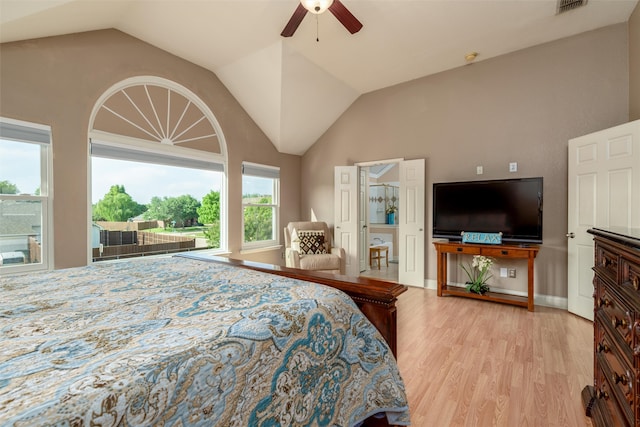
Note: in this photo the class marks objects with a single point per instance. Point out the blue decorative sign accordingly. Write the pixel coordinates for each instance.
(486, 238)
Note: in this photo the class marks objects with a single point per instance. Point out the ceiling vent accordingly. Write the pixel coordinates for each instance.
(567, 5)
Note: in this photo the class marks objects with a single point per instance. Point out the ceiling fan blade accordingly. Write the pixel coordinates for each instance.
(345, 17)
(294, 22)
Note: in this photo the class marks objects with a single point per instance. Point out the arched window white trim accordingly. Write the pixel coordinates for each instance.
(155, 120)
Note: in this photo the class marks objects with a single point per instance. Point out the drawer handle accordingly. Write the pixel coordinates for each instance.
(636, 282)
(619, 378)
(504, 252)
(601, 394)
(603, 348)
(606, 262)
(618, 322)
(459, 249)
(606, 302)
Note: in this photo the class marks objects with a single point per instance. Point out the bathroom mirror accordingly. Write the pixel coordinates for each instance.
(383, 203)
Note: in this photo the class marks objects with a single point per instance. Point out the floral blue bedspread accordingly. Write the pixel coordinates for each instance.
(183, 342)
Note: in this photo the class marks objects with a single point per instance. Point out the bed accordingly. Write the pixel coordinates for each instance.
(193, 341)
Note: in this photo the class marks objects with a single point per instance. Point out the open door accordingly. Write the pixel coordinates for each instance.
(363, 218)
(350, 229)
(603, 191)
(411, 223)
(345, 204)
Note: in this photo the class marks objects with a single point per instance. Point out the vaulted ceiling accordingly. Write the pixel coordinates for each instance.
(295, 88)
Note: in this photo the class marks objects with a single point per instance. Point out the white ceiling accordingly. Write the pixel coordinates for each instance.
(295, 88)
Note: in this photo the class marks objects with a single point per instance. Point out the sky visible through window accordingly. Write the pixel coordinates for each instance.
(20, 165)
(142, 181)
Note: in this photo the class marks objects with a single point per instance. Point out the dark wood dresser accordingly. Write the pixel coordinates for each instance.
(614, 397)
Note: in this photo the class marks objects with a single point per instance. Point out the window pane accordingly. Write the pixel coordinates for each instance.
(19, 167)
(258, 223)
(257, 190)
(20, 232)
(169, 208)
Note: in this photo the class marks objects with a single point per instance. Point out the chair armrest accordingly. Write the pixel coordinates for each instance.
(343, 258)
(292, 258)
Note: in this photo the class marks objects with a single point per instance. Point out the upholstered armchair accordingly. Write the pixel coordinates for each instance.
(309, 247)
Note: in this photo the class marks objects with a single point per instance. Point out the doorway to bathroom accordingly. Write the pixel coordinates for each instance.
(351, 220)
(380, 204)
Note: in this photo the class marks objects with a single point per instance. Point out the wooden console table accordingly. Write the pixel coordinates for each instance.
(444, 248)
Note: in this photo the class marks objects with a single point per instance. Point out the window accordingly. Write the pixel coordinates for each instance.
(158, 159)
(25, 202)
(169, 201)
(260, 205)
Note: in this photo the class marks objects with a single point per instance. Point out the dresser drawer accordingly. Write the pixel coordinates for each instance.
(606, 263)
(617, 317)
(631, 275)
(620, 380)
(606, 398)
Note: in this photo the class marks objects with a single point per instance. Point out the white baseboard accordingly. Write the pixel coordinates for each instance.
(538, 299)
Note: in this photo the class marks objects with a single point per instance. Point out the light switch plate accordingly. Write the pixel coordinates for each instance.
(513, 167)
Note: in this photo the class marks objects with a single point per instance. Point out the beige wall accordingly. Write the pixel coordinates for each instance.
(521, 107)
(56, 81)
(634, 64)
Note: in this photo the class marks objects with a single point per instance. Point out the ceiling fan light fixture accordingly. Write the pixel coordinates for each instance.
(316, 6)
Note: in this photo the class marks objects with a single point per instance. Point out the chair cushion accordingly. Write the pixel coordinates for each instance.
(311, 242)
(320, 262)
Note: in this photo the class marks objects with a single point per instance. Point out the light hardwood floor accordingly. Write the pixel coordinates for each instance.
(389, 273)
(477, 363)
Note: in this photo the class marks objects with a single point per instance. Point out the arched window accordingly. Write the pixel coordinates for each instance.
(158, 161)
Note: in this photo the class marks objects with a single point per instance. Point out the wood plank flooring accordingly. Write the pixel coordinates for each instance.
(390, 273)
(477, 363)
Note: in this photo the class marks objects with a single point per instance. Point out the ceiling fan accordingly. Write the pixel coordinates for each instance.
(317, 7)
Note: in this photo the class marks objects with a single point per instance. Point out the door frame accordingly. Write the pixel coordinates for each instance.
(593, 160)
(412, 277)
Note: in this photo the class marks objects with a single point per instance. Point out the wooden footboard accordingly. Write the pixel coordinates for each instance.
(375, 298)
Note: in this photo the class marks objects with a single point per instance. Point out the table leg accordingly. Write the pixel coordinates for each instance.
(530, 305)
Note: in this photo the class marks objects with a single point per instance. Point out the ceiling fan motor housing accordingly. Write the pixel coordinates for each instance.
(316, 6)
(336, 7)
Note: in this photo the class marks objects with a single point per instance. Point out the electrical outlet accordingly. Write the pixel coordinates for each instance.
(479, 170)
(512, 273)
(513, 167)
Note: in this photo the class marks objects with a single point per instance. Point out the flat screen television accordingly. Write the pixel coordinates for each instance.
(510, 206)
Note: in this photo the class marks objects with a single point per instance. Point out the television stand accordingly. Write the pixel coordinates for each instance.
(444, 248)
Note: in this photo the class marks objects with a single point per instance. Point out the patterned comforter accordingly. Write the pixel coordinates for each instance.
(182, 342)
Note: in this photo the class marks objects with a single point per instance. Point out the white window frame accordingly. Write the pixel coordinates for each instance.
(158, 148)
(33, 133)
(130, 149)
(270, 172)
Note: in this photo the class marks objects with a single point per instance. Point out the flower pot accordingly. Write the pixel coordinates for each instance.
(391, 218)
(479, 289)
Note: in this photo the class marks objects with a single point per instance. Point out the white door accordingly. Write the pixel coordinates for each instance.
(345, 204)
(411, 223)
(363, 218)
(603, 191)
